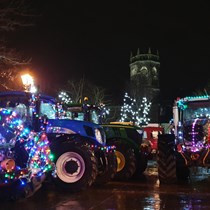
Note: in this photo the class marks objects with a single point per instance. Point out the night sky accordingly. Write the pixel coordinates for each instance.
(95, 39)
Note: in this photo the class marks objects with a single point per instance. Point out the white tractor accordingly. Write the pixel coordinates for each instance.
(188, 145)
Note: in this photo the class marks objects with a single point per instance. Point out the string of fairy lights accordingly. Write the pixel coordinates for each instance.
(64, 97)
(101, 111)
(198, 126)
(130, 112)
(36, 145)
(137, 115)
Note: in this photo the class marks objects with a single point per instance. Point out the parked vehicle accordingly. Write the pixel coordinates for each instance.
(188, 145)
(150, 136)
(81, 155)
(25, 158)
(132, 155)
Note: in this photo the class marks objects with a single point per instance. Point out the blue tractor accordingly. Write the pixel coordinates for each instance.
(81, 156)
(131, 152)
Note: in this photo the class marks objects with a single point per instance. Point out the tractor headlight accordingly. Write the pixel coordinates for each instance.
(98, 136)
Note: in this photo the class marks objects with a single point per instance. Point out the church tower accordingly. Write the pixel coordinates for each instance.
(144, 80)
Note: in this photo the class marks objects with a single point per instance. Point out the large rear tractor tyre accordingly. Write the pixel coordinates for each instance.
(126, 162)
(166, 159)
(110, 171)
(76, 168)
(182, 170)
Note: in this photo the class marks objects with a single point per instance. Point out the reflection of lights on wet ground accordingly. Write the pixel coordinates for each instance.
(189, 202)
(157, 201)
(157, 184)
(151, 168)
(153, 202)
(69, 205)
(200, 171)
(150, 202)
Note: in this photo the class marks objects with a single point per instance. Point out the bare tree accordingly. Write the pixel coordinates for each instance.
(75, 89)
(13, 15)
(98, 94)
(79, 89)
(10, 64)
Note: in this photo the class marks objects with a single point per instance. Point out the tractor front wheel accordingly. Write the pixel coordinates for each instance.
(126, 161)
(76, 168)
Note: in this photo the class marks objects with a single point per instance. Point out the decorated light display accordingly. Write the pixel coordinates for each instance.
(64, 97)
(103, 112)
(130, 112)
(96, 113)
(24, 154)
(193, 131)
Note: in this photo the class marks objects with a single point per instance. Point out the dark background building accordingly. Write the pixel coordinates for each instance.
(144, 81)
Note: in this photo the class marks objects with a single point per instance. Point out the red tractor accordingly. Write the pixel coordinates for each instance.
(150, 136)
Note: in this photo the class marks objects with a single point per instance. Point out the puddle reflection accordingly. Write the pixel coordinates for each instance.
(146, 194)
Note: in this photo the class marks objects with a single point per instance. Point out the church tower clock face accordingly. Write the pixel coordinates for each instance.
(154, 73)
(144, 71)
(134, 70)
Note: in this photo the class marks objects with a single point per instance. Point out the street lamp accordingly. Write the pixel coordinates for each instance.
(28, 83)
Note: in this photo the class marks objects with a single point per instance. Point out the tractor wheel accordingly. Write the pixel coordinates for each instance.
(182, 171)
(76, 168)
(142, 166)
(110, 171)
(126, 161)
(166, 159)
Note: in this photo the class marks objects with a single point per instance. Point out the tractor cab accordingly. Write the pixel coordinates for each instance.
(150, 135)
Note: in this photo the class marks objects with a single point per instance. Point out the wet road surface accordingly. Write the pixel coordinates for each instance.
(144, 193)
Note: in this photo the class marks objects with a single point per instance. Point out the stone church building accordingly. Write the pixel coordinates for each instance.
(144, 80)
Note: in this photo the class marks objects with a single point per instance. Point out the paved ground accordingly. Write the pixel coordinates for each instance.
(145, 193)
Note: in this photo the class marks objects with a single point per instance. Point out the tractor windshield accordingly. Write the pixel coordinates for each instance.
(198, 109)
(22, 104)
(79, 114)
(48, 110)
